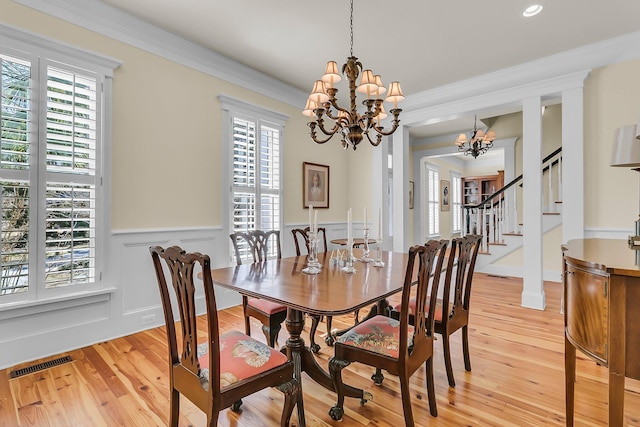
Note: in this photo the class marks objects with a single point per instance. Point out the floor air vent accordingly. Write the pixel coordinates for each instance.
(40, 366)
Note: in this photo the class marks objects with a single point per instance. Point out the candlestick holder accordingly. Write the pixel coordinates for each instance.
(348, 267)
(366, 251)
(378, 262)
(313, 265)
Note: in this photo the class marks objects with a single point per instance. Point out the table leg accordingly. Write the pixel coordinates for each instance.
(569, 380)
(295, 349)
(304, 361)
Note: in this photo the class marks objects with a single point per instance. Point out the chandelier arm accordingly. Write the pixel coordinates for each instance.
(335, 105)
(378, 138)
(390, 132)
(330, 133)
(312, 125)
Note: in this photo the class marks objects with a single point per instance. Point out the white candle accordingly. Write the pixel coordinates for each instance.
(365, 217)
(349, 241)
(380, 223)
(311, 218)
(315, 222)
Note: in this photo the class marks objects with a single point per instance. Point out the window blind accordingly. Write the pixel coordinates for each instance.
(256, 178)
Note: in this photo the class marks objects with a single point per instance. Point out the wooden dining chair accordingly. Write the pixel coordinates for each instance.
(394, 345)
(217, 372)
(255, 246)
(457, 291)
(301, 240)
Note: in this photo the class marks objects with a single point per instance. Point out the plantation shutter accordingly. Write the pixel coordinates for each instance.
(71, 147)
(15, 124)
(433, 202)
(256, 177)
(456, 200)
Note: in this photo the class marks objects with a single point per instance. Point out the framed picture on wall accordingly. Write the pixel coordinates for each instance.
(315, 185)
(445, 195)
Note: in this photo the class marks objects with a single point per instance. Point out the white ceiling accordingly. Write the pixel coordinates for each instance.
(423, 44)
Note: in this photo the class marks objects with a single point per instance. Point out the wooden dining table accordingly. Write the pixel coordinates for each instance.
(330, 293)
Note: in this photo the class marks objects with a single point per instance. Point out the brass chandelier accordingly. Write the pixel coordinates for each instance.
(350, 124)
(478, 143)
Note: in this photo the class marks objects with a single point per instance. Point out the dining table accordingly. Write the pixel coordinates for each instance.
(332, 292)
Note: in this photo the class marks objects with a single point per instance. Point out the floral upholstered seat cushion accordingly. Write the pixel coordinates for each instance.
(240, 357)
(380, 334)
(265, 306)
(412, 308)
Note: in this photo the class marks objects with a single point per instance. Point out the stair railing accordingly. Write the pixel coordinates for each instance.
(498, 211)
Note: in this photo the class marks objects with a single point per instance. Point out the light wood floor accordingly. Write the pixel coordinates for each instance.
(517, 379)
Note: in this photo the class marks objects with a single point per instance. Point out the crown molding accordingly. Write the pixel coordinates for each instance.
(503, 100)
(567, 63)
(118, 25)
(27, 41)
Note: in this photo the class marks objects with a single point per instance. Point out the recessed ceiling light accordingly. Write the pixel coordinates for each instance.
(532, 10)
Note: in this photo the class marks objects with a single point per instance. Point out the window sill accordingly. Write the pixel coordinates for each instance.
(26, 308)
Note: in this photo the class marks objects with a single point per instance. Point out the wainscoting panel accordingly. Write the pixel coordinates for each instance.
(129, 300)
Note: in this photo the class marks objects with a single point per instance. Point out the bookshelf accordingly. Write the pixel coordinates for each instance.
(476, 188)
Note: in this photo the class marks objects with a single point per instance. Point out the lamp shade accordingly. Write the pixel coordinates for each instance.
(395, 94)
(368, 83)
(331, 74)
(319, 93)
(626, 148)
(309, 107)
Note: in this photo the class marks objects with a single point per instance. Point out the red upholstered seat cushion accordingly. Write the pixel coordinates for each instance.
(265, 306)
(412, 307)
(240, 357)
(380, 334)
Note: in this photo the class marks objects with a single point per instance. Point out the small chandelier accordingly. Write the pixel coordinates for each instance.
(350, 124)
(478, 143)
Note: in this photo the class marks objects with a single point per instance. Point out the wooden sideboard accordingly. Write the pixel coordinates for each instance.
(601, 315)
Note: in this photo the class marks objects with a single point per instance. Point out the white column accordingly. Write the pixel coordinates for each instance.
(401, 227)
(533, 289)
(572, 164)
(379, 172)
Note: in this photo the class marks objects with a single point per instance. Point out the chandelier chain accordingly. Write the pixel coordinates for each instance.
(351, 26)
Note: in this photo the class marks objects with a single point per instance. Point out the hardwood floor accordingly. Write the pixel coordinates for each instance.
(517, 379)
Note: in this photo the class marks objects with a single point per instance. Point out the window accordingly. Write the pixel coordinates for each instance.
(433, 200)
(456, 203)
(50, 176)
(255, 137)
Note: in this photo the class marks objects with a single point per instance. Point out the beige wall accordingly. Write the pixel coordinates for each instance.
(612, 98)
(167, 136)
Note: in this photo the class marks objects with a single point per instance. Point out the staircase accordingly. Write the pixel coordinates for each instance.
(502, 232)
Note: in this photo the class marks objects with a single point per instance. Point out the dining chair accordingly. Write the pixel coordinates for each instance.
(457, 291)
(301, 235)
(301, 240)
(394, 345)
(217, 372)
(256, 245)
